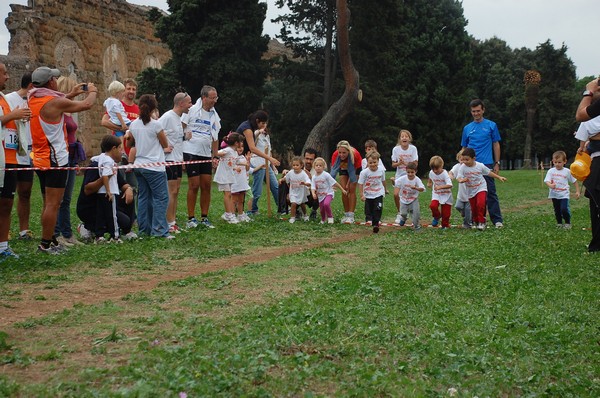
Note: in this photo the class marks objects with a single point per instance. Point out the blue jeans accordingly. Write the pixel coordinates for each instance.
(561, 210)
(257, 186)
(153, 199)
(63, 222)
(493, 205)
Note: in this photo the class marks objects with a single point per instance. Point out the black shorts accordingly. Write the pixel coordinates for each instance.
(52, 178)
(10, 181)
(343, 172)
(196, 169)
(24, 175)
(174, 172)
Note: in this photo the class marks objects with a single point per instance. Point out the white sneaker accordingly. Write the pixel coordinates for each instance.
(344, 220)
(230, 218)
(306, 218)
(292, 220)
(83, 232)
(244, 217)
(481, 226)
(350, 220)
(398, 219)
(567, 226)
(499, 224)
(63, 241)
(330, 220)
(192, 223)
(130, 236)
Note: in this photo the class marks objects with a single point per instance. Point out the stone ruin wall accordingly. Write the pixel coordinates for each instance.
(89, 41)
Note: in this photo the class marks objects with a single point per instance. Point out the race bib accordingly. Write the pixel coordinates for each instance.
(11, 139)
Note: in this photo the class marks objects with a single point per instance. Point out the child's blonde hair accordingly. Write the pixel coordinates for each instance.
(436, 162)
(345, 144)
(374, 155)
(115, 88)
(459, 154)
(400, 135)
(298, 159)
(318, 161)
(559, 155)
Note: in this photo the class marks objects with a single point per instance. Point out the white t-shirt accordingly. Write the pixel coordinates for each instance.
(204, 126)
(224, 173)
(406, 156)
(115, 107)
(372, 182)
(462, 188)
(364, 164)
(148, 147)
(297, 189)
(261, 141)
(561, 178)
(475, 182)
(323, 184)
(106, 168)
(241, 175)
(407, 193)
(171, 124)
(444, 196)
(588, 129)
(15, 101)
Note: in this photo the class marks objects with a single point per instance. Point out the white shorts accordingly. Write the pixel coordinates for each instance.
(225, 187)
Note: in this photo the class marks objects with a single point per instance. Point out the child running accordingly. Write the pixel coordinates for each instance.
(225, 177)
(371, 146)
(371, 185)
(297, 179)
(409, 186)
(402, 154)
(322, 189)
(441, 192)
(558, 179)
(106, 203)
(241, 186)
(462, 200)
(471, 174)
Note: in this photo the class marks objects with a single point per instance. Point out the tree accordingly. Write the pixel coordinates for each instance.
(219, 44)
(532, 80)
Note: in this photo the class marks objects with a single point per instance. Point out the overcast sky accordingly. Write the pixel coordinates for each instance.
(521, 23)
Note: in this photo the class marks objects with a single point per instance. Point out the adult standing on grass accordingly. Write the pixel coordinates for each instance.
(586, 111)
(346, 161)
(173, 128)
(483, 136)
(49, 142)
(9, 132)
(151, 145)
(258, 140)
(204, 124)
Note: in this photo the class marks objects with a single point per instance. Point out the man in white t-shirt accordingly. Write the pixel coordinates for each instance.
(203, 123)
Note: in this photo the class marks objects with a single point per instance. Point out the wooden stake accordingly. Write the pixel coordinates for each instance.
(268, 177)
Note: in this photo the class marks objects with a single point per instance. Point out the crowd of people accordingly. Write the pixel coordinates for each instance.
(39, 130)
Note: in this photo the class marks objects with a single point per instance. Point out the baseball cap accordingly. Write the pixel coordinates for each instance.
(42, 75)
(580, 168)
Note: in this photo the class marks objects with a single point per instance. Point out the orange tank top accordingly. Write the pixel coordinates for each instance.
(49, 140)
(11, 135)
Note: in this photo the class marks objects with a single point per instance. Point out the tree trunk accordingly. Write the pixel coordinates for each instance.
(328, 75)
(528, 138)
(319, 135)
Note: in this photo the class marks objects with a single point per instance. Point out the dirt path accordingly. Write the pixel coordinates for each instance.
(111, 286)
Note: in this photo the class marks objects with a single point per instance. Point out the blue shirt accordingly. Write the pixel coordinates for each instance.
(481, 136)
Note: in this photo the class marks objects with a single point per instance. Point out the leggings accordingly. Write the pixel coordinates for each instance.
(444, 214)
(325, 207)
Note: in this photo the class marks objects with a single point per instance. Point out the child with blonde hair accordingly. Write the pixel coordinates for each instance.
(346, 161)
(558, 179)
(115, 109)
(410, 186)
(462, 200)
(321, 186)
(224, 175)
(441, 192)
(298, 180)
(403, 154)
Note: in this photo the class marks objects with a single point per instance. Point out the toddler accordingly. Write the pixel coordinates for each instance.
(409, 186)
(322, 189)
(224, 175)
(371, 185)
(462, 200)
(402, 154)
(441, 192)
(115, 109)
(241, 186)
(297, 180)
(558, 179)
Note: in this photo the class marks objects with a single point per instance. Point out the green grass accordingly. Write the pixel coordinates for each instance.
(510, 312)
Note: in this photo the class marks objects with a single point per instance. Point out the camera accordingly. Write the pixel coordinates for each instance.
(84, 87)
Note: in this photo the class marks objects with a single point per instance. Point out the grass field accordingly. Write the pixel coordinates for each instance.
(274, 309)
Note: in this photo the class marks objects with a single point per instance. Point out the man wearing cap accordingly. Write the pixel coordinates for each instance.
(10, 140)
(49, 142)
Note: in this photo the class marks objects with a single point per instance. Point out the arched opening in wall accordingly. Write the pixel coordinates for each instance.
(114, 64)
(69, 56)
(150, 61)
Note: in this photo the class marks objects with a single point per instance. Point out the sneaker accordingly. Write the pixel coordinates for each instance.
(230, 218)
(398, 219)
(344, 220)
(64, 242)
(292, 220)
(115, 240)
(26, 235)
(330, 220)
(435, 222)
(192, 223)
(567, 226)
(100, 241)
(368, 223)
(174, 229)
(402, 222)
(306, 218)
(417, 227)
(244, 217)
(376, 229)
(481, 226)
(52, 250)
(313, 215)
(499, 224)
(130, 236)
(8, 253)
(466, 226)
(73, 241)
(206, 223)
(84, 233)
(559, 226)
(349, 220)
(169, 237)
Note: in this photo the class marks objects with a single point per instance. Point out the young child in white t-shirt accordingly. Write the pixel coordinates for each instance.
(297, 180)
(371, 146)
(403, 154)
(462, 200)
(558, 179)
(441, 192)
(241, 186)
(106, 203)
(321, 186)
(115, 109)
(471, 174)
(225, 175)
(371, 185)
(410, 186)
